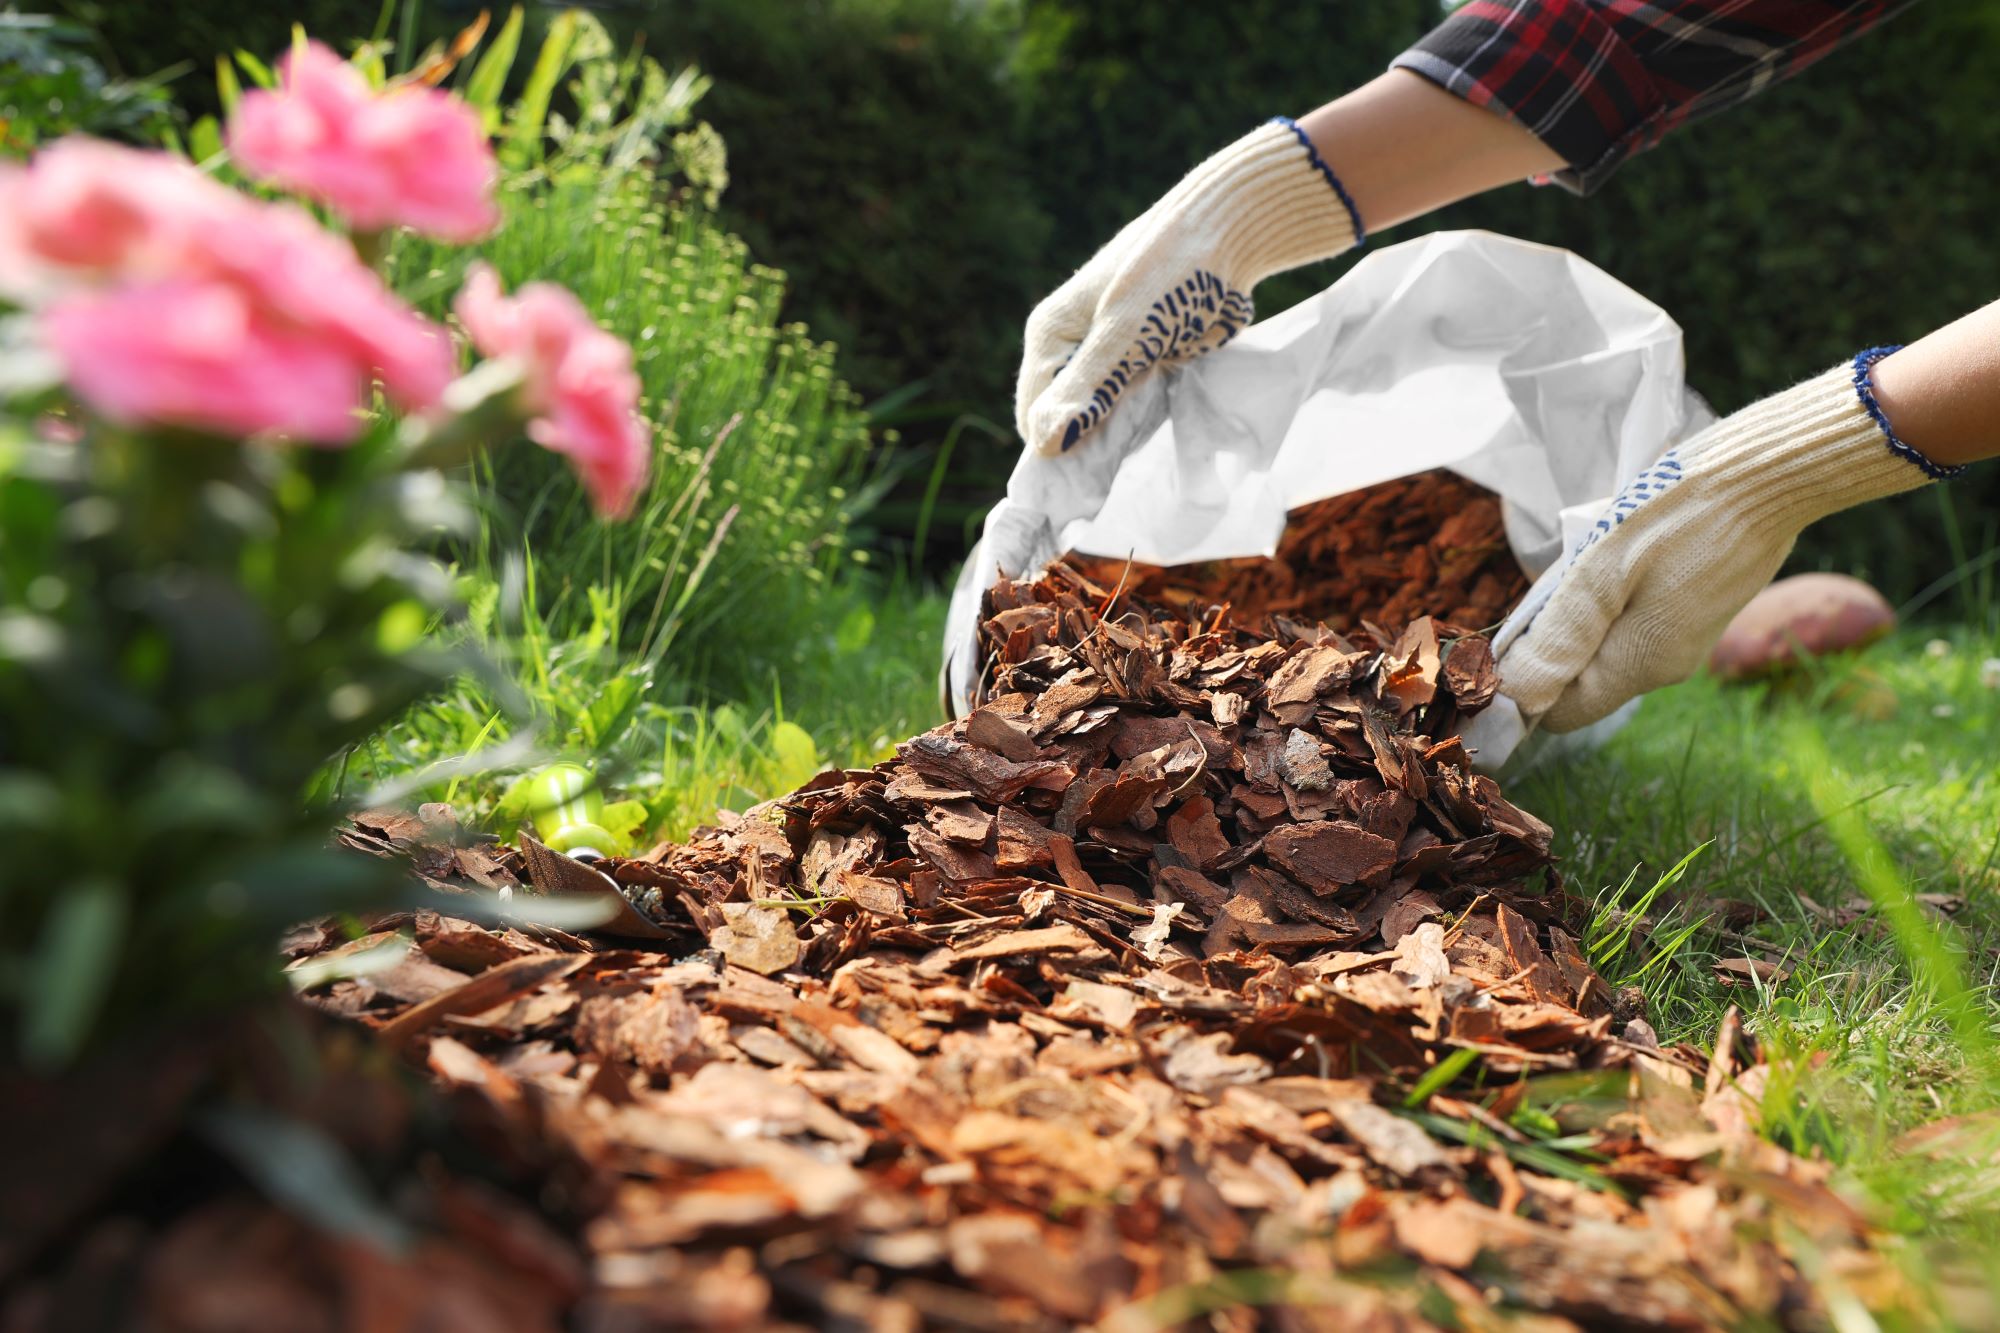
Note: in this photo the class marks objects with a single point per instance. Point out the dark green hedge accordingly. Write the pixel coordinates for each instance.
(143, 36)
(873, 157)
(1851, 206)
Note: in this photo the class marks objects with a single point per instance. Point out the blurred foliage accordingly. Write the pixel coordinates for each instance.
(1844, 208)
(188, 629)
(1849, 207)
(52, 84)
(877, 164)
(144, 36)
(924, 169)
(762, 450)
(1117, 102)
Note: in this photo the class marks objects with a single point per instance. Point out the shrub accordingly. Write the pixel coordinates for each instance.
(762, 452)
(879, 168)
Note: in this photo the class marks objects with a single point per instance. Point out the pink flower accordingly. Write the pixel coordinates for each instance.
(578, 381)
(305, 278)
(202, 355)
(410, 156)
(85, 210)
(92, 233)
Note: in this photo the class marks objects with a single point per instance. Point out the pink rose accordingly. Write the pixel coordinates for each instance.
(410, 156)
(578, 381)
(201, 354)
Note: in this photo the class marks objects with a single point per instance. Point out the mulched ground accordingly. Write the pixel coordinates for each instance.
(1195, 977)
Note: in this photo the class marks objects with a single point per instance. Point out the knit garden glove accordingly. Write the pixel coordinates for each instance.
(1685, 545)
(1176, 282)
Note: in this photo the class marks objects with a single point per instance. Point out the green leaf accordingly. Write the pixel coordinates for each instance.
(29, 801)
(797, 755)
(299, 1166)
(1548, 1160)
(627, 819)
(856, 628)
(1439, 1077)
(489, 76)
(401, 628)
(524, 135)
(226, 85)
(74, 961)
(373, 68)
(205, 140)
(377, 957)
(256, 70)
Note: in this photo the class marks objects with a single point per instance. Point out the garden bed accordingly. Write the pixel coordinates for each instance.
(1195, 969)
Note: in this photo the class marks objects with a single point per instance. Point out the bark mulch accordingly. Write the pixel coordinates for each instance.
(1194, 977)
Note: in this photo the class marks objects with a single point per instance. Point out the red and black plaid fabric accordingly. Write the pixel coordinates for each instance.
(1599, 80)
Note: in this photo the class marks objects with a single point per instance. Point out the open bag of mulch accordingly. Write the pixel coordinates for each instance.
(1536, 379)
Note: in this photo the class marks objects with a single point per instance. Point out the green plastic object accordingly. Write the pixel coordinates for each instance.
(567, 809)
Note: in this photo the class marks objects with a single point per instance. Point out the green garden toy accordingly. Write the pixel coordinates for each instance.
(567, 809)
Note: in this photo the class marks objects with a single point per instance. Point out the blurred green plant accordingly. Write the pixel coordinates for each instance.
(886, 177)
(190, 628)
(763, 453)
(735, 581)
(52, 84)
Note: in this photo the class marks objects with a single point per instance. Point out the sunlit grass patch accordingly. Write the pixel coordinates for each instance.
(1850, 827)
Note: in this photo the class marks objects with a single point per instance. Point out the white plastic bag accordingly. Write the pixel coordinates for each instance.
(1521, 367)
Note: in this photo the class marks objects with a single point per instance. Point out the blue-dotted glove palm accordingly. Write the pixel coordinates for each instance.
(1176, 282)
(1679, 553)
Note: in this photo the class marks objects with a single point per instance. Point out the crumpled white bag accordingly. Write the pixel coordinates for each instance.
(1521, 367)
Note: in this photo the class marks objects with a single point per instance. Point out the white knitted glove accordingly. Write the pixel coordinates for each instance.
(1651, 588)
(1176, 281)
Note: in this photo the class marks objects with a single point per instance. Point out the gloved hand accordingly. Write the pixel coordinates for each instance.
(1687, 543)
(1176, 281)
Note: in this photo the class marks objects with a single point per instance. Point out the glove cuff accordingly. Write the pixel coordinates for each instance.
(1864, 388)
(1358, 232)
(1275, 203)
(1817, 448)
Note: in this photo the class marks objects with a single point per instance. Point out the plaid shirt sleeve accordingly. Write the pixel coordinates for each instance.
(1599, 80)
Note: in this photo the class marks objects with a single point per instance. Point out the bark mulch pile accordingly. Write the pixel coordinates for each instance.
(1432, 543)
(1194, 977)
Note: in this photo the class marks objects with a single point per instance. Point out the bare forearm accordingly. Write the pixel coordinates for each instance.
(1404, 146)
(1942, 392)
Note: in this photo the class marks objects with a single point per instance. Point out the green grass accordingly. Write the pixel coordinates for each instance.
(1708, 764)
(860, 679)
(1866, 790)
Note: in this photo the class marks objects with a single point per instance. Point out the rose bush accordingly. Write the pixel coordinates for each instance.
(226, 449)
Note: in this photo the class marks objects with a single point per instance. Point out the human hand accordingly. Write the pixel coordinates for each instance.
(1691, 540)
(1176, 281)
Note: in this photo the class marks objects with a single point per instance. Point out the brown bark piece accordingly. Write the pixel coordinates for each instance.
(1328, 855)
